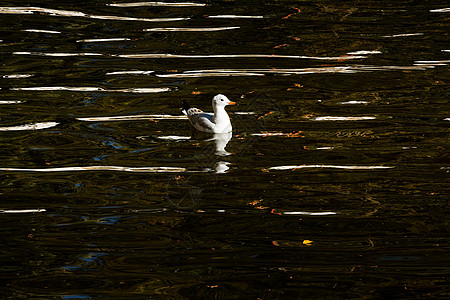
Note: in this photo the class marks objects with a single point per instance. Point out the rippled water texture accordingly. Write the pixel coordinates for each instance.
(332, 185)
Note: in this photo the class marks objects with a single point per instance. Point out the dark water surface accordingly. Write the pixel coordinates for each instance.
(333, 185)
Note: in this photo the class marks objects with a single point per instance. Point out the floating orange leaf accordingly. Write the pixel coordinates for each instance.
(279, 46)
(294, 134)
(196, 93)
(256, 202)
(275, 213)
(265, 115)
(295, 169)
(307, 242)
(298, 11)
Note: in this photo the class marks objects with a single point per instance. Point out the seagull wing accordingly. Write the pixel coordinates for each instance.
(200, 120)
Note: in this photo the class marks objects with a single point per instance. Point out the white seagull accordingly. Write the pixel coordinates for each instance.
(217, 122)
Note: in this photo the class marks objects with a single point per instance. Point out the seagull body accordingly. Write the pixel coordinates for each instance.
(217, 122)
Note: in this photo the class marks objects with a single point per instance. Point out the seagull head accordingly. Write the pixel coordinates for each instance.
(222, 100)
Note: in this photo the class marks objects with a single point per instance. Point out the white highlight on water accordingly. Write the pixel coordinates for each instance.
(31, 126)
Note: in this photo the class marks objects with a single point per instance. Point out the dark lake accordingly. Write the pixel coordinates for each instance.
(334, 183)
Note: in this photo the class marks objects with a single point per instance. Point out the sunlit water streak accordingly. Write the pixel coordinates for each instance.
(283, 168)
(352, 102)
(404, 35)
(440, 10)
(31, 126)
(103, 40)
(188, 56)
(42, 31)
(174, 138)
(332, 118)
(418, 66)
(130, 73)
(234, 17)
(57, 54)
(100, 168)
(304, 213)
(22, 211)
(94, 89)
(169, 4)
(132, 118)
(10, 101)
(191, 29)
(167, 55)
(17, 76)
(69, 13)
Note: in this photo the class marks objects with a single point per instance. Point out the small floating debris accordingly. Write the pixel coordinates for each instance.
(31, 126)
(22, 211)
(173, 4)
(281, 168)
(103, 40)
(330, 118)
(42, 31)
(192, 29)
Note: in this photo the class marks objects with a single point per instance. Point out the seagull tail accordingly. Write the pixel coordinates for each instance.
(185, 108)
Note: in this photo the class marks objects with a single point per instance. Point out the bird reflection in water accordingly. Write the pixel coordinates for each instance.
(221, 141)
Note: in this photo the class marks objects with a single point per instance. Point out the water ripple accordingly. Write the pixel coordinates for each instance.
(331, 118)
(42, 31)
(132, 118)
(103, 40)
(22, 211)
(170, 4)
(192, 29)
(100, 168)
(70, 13)
(167, 55)
(31, 126)
(234, 17)
(329, 166)
(94, 89)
